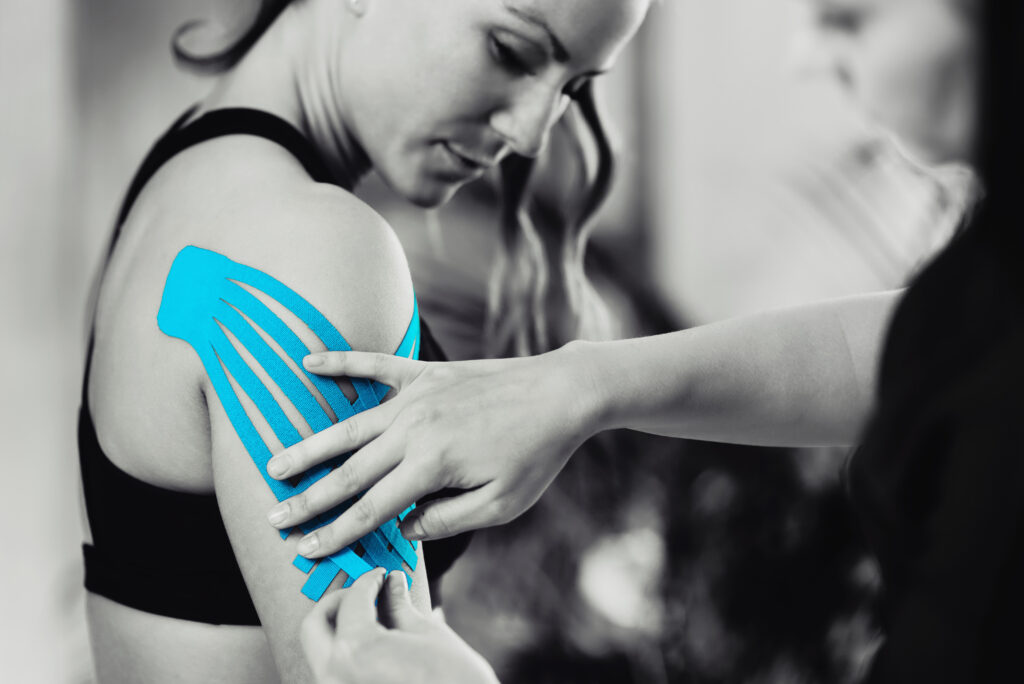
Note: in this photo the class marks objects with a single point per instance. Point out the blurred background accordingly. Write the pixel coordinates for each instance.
(744, 184)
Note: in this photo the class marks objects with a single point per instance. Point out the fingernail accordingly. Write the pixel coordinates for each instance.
(412, 532)
(380, 578)
(397, 576)
(313, 361)
(278, 466)
(278, 513)
(308, 544)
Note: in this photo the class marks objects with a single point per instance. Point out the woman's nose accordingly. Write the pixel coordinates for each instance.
(526, 119)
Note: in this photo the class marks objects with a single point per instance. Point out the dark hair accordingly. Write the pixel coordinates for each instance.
(228, 56)
(539, 296)
(999, 154)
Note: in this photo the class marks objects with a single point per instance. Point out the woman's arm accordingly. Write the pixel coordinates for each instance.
(802, 376)
(503, 429)
(342, 259)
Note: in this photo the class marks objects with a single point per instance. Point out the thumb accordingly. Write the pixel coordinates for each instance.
(317, 632)
(447, 517)
(396, 610)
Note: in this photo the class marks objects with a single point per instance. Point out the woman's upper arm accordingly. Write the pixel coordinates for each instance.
(294, 274)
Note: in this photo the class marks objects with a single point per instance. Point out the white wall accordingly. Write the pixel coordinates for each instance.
(41, 632)
(68, 149)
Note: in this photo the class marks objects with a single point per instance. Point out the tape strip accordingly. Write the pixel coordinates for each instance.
(402, 546)
(350, 561)
(320, 579)
(206, 301)
(304, 564)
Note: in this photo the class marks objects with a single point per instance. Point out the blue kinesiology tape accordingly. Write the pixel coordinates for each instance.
(204, 302)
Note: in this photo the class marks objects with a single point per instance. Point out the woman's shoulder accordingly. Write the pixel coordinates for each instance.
(249, 200)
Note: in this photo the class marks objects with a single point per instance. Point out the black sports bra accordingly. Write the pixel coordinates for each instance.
(145, 538)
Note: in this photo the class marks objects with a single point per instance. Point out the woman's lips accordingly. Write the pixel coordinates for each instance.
(465, 160)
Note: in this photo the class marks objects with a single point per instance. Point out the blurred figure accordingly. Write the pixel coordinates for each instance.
(911, 68)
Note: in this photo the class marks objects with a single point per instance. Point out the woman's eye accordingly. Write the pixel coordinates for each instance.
(508, 57)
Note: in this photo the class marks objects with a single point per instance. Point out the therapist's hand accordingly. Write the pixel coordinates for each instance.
(349, 640)
(500, 429)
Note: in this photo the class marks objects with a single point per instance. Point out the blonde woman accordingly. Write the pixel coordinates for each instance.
(255, 182)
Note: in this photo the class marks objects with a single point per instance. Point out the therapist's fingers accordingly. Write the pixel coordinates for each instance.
(393, 371)
(340, 438)
(361, 471)
(473, 510)
(317, 631)
(395, 607)
(396, 491)
(357, 612)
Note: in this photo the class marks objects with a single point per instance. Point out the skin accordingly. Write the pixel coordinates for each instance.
(545, 52)
(793, 377)
(430, 96)
(799, 377)
(349, 639)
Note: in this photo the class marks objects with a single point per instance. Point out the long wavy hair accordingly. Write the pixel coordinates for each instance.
(539, 296)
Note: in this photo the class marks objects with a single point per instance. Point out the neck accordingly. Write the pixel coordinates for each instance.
(276, 76)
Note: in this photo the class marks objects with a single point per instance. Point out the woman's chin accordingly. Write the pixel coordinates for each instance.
(429, 194)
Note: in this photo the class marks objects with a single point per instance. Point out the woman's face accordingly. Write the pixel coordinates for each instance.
(910, 66)
(436, 92)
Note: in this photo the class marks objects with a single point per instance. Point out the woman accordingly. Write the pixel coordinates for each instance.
(256, 181)
(937, 481)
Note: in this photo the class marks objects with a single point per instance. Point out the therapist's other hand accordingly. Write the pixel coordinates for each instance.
(500, 429)
(349, 640)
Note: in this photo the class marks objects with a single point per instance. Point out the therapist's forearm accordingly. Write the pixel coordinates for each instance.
(802, 376)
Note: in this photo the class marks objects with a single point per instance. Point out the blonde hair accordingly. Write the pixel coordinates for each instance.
(539, 296)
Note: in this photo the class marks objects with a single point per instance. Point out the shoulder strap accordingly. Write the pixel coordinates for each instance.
(214, 124)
